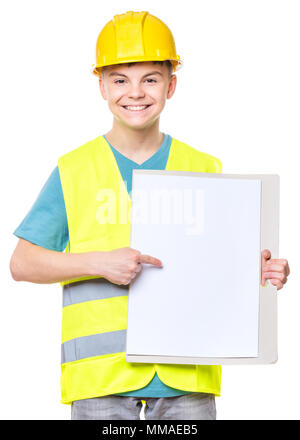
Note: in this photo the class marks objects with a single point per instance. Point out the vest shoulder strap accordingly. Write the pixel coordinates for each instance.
(187, 158)
(81, 153)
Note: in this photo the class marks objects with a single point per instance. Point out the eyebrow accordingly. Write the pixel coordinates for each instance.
(147, 74)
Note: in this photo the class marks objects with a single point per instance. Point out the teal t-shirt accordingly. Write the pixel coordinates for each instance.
(46, 225)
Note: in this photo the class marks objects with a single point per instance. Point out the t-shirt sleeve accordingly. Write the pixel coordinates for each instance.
(46, 223)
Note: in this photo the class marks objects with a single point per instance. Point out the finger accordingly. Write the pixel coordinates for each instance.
(275, 275)
(277, 283)
(271, 267)
(150, 260)
(263, 263)
(266, 254)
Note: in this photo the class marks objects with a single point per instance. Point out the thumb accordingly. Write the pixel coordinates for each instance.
(266, 254)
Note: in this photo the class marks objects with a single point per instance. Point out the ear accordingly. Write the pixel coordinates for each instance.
(172, 86)
(102, 88)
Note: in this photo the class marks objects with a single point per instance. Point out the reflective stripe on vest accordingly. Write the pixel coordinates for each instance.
(91, 290)
(93, 345)
(95, 311)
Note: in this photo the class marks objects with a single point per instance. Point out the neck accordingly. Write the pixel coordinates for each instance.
(135, 142)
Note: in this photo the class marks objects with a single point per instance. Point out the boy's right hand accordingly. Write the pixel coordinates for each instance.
(121, 265)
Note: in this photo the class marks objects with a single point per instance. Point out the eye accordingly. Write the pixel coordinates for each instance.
(151, 79)
(118, 81)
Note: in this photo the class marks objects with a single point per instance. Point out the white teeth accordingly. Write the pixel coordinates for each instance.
(137, 107)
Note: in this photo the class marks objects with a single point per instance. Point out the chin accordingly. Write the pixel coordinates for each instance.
(136, 125)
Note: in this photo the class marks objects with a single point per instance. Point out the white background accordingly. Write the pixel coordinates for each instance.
(237, 98)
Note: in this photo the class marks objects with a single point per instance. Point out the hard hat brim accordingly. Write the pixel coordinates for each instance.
(177, 63)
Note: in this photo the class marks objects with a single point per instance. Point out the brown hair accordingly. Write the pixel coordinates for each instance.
(166, 62)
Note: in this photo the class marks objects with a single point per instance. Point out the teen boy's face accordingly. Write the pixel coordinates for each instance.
(137, 94)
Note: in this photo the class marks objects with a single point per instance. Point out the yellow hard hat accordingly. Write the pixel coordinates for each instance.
(135, 37)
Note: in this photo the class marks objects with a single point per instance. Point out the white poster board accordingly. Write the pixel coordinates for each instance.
(206, 304)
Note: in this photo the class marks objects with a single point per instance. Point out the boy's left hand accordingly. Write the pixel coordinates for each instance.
(275, 270)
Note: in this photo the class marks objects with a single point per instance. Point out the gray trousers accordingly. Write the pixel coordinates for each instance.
(194, 406)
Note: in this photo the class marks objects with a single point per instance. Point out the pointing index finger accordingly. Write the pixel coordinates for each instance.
(150, 260)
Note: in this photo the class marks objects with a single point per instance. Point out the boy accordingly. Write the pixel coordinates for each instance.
(76, 211)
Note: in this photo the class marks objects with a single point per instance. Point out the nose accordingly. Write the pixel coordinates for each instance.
(136, 91)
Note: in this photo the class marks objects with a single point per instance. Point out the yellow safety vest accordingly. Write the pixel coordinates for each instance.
(94, 317)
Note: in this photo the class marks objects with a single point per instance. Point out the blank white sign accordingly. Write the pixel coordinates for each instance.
(204, 301)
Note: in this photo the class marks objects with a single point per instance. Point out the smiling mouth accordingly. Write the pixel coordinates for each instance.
(136, 108)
